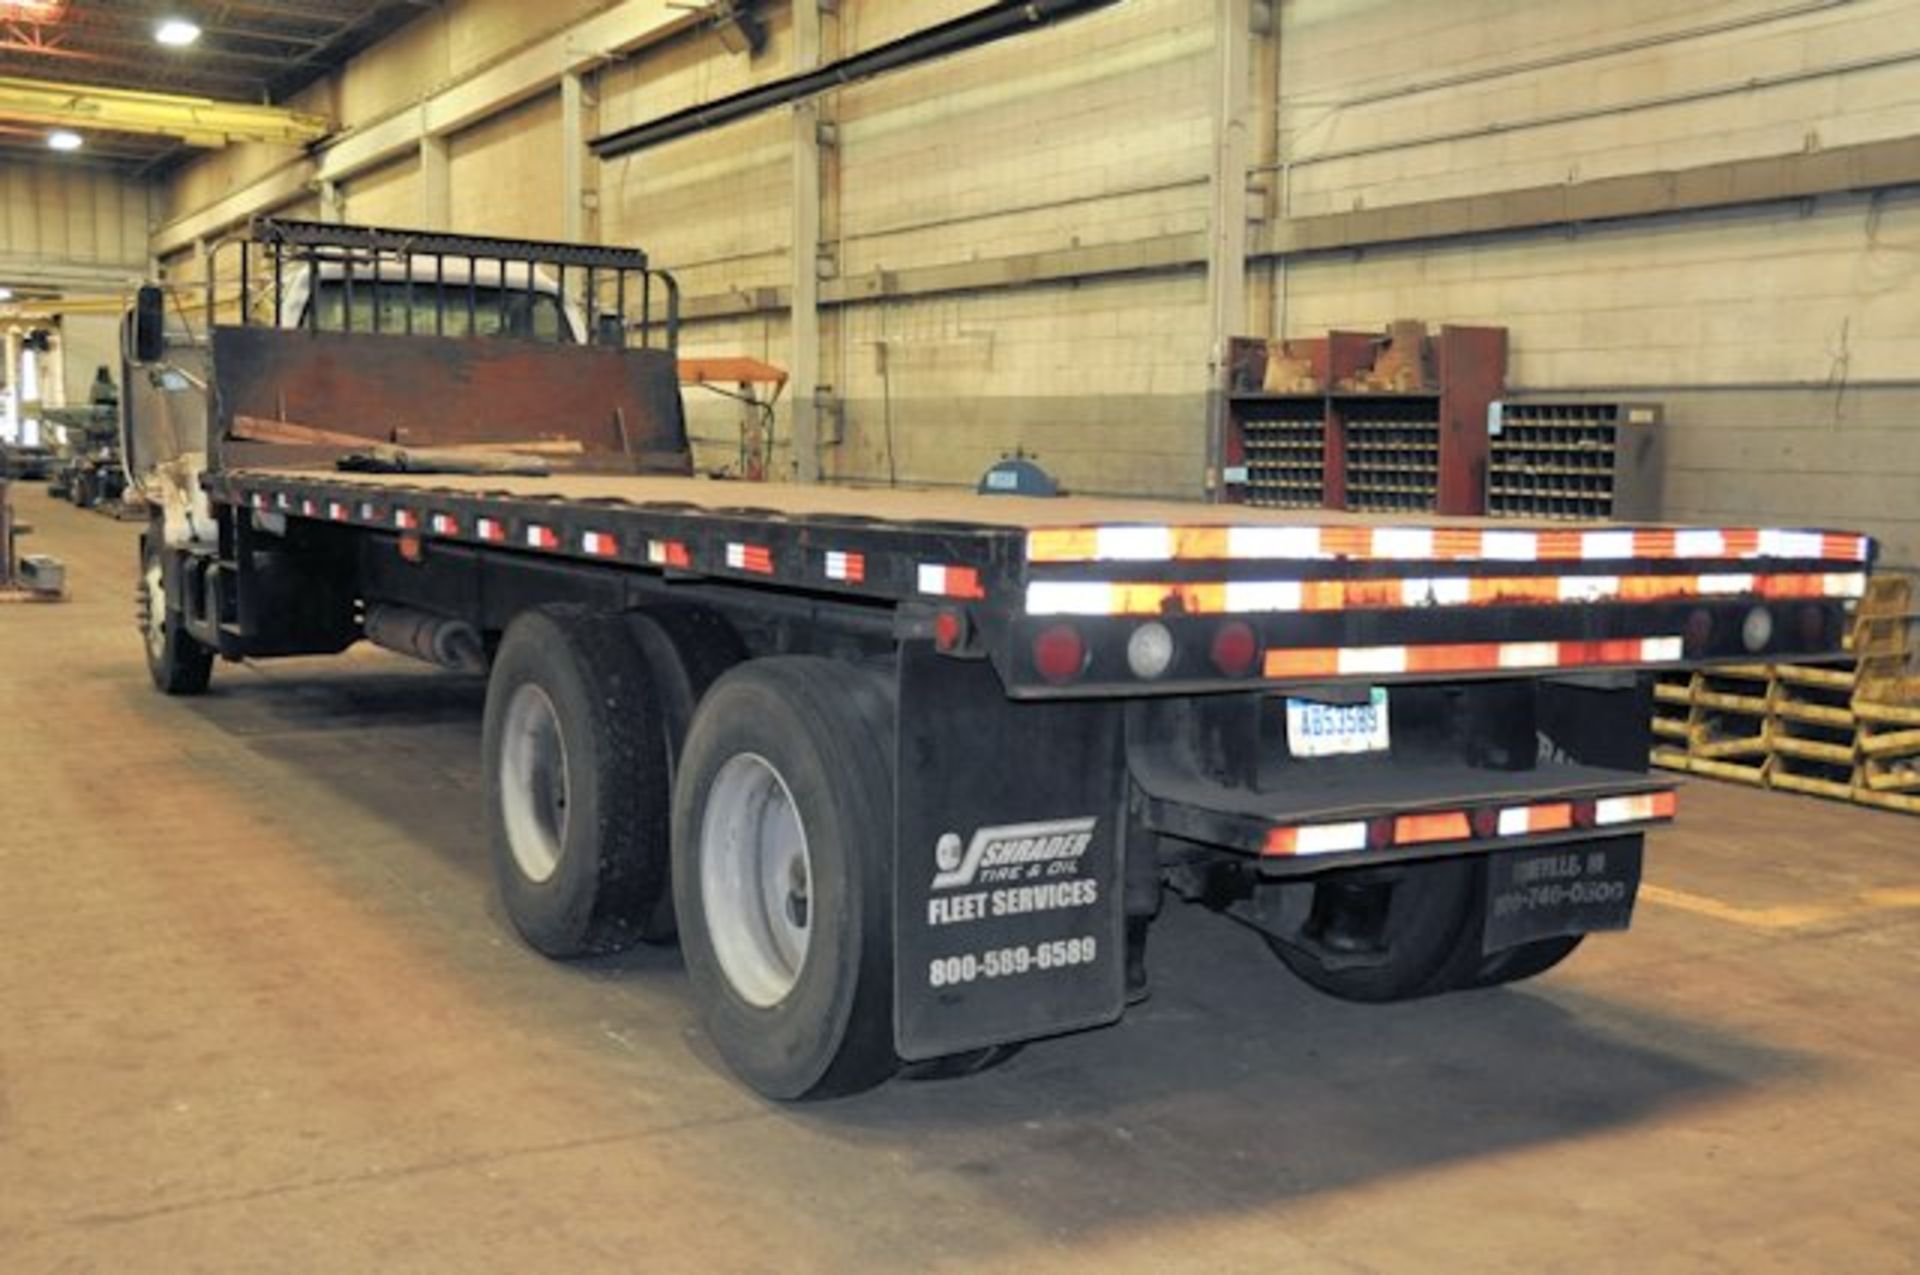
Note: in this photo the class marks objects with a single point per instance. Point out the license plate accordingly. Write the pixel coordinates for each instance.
(1335, 730)
(1569, 889)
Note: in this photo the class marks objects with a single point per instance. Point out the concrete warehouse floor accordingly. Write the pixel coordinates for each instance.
(259, 1011)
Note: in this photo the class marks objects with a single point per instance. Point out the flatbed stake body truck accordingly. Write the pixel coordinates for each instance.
(908, 774)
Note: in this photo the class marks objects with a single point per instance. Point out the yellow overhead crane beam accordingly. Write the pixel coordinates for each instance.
(197, 121)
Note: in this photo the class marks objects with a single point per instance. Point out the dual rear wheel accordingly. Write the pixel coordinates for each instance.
(1408, 932)
(759, 821)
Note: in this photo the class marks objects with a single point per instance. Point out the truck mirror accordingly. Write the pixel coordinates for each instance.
(149, 325)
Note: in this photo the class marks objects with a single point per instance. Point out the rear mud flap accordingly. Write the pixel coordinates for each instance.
(1009, 818)
(1553, 891)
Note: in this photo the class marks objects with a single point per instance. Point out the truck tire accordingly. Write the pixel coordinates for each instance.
(576, 782)
(1420, 914)
(176, 661)
(782, 868)
(686, 649)
(1528, 960)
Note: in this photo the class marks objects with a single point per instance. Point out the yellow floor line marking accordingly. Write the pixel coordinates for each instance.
(1790, 916)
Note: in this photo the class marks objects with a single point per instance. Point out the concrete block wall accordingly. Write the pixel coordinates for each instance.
(1383, 104)
(1095, 132)
(504, 174)
(75, 216)
(447, 41)
(385, 196)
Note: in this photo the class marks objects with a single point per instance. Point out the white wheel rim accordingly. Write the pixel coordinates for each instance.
(535, 787)
(156, 617)
(756, 880)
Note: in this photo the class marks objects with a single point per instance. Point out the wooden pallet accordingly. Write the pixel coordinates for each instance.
(1850, 732)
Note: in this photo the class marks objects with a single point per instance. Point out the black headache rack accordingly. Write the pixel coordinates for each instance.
(335, 340)
(441, 277)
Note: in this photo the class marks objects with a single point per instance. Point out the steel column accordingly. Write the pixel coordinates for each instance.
(1227, 216)
(804, 347)
(436, 183)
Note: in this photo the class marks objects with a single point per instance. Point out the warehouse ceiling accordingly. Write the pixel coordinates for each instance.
(248, 51)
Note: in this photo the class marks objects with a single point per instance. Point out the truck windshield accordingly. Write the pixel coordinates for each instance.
(529, 316)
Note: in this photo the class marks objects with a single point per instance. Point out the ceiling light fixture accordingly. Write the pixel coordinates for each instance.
(6, 294)
(65, 139)
(176, 33)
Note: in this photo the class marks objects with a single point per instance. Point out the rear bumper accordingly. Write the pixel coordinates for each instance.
(1557, 810)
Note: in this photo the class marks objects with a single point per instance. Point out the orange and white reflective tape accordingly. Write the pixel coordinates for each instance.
(539, 537)
(1246, 597)
(1466, 657)
(668, 553)
(337, 511)
(492, 530)
(599, 544)
(1609, 811)
(1524, 821)
(444, 525)
(943, 581)
(745, 557)
(1317, 838)
(849, 567)
(406, 519)
(1437, 827)
(1131, 543)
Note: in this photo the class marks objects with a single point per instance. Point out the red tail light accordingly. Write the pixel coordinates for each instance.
(1235, 648)
(1059, 653)
(949, 630)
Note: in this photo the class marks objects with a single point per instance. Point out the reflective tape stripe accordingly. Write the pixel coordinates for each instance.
(1419, 828)
(1425, 827)
(1403, 543)
(337, 511)
(490, 529)
(444, 525)
(599, 544)
(539, 537)
(850, 567)
(950, 582)
(1145, 543)
(755, 558)
(1134, 544)
(1523, 821)
(668, 553)
(1422, 829)
(1639, 808)
(1321, 838)
(405, 519)
(1465, 657)
(1244, 597)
